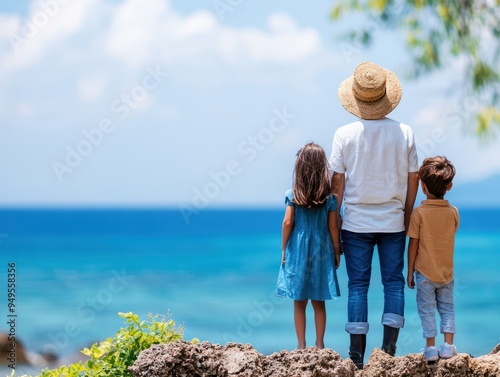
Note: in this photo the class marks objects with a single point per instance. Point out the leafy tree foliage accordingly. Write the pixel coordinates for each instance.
(436, 32)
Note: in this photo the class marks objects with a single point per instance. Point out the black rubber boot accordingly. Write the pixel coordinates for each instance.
(357, 349)
(390, 339)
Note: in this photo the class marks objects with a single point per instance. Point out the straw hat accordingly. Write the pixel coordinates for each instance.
(371, 92)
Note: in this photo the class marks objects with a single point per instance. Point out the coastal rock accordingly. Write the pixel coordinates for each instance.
(487, 365)
(311, 362)
(456, 366)
(14, 352)
(212, 360)
(12, 349)
(495, 350)
(382, 364)
(205, 359)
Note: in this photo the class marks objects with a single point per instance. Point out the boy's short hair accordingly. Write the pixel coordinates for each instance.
(437, 173)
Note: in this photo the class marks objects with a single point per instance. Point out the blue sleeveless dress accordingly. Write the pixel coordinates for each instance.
(309, 268)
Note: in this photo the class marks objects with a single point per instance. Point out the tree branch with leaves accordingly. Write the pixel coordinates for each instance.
(436, 32)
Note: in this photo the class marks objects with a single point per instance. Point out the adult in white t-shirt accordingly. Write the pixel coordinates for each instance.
(375, 177)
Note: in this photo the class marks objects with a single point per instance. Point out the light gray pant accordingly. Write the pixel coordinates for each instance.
(429, 296)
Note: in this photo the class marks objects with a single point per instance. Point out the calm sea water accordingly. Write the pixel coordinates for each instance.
(76, 269)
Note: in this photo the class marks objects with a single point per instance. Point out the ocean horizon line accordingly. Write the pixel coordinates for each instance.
(179, 222)
(181, 205)
(97, 207)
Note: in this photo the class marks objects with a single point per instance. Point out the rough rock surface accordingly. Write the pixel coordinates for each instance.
(212, 360)
(9, 349)
(487, 365)
(382, 364)
(310, 362)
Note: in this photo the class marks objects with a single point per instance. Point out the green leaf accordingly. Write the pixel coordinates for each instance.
(336, 12)
(379, 5)
(483, 75)
(487, 118)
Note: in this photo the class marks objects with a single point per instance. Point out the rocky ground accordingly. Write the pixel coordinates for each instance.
(212, 360)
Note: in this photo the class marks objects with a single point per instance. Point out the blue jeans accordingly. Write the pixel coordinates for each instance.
(358, 251)
(429, 296)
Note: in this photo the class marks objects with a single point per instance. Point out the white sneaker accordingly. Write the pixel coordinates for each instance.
(447, 351)
(431, 353)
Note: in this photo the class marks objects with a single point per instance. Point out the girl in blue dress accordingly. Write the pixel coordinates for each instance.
(310, 242)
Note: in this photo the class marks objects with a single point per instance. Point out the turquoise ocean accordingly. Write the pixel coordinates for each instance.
(213, 274)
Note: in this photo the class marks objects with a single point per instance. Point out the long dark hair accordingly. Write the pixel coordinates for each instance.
(311, 186)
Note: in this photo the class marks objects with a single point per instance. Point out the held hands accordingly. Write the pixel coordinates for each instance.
(410, 280)
(338, 251)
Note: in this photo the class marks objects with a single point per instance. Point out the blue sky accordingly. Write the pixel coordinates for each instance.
(198, 104)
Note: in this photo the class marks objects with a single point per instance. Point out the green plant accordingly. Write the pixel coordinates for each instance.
(112, 357)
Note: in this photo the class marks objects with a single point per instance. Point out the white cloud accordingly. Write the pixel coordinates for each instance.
(427, 118)
(442, 130)
(286, 43)
(199, 23)
(282, 22)
(91, 88)
(139, 33)
(45, 27)
(133, 28)
(25, 109)
(282, 46)
(8, 23)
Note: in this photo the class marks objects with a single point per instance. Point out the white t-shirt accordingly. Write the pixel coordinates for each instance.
(376, 157)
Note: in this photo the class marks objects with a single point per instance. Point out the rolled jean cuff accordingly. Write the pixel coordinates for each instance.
(450, 329)
(357, 327)
(430, 333)
(393, 320)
